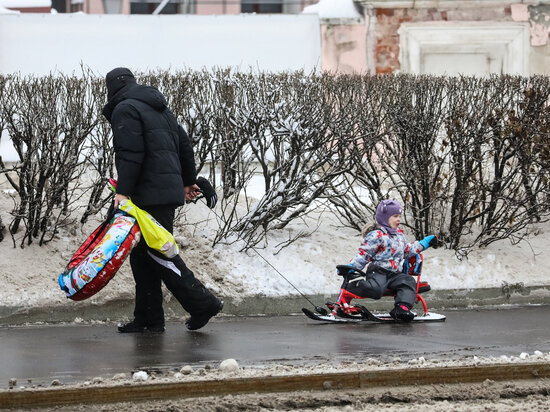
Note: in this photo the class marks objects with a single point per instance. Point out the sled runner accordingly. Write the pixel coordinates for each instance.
(341, 312)
(366, 316)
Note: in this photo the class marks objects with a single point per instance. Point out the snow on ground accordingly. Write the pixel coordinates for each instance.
(487, 396)
(30, 275)
(29, 278)
(483, 396)
(207, 372)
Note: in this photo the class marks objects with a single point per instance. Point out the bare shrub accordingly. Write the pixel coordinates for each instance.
(362, 123)
(515, 188)
(471, 103)
(99, 155)
(467, 156)
(412, 156)
(285, 119)
(3, 81)
(48, 120)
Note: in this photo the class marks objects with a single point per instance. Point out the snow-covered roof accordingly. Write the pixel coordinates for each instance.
(333, 9)
(3, 10)
(23, 4)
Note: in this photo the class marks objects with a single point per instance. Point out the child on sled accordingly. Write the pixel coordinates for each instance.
(384, 249)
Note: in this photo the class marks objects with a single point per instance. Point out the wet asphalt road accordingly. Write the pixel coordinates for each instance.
(75, 353)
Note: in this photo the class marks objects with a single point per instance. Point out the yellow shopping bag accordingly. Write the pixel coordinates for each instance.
(155, 235)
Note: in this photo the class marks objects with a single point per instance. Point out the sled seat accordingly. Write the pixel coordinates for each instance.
(412, 266)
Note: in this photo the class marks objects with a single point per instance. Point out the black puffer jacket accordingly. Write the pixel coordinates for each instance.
(153, 155)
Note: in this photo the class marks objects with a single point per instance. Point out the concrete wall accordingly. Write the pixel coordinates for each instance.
(42, 43)
(538, 18)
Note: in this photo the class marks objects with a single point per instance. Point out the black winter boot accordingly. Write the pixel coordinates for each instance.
(402, 313)
(198, 321)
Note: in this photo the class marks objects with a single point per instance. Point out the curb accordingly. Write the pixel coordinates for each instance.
(268, 384)
(258, 305)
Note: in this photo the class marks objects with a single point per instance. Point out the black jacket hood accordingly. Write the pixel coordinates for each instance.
(146, 94)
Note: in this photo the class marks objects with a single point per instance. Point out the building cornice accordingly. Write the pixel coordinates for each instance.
(341, 21)
(443, 4)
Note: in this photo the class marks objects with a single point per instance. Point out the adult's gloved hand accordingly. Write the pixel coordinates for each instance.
(428, 241)
(208, 192)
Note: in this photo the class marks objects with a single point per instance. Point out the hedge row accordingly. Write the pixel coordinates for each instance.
(469, 157)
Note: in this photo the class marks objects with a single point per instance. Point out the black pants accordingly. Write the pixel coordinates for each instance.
(150, 268)
(379, 280)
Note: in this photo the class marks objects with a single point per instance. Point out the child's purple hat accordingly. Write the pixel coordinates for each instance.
(385, 209)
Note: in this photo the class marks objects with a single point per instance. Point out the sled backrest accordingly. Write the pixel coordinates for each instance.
(344, 270)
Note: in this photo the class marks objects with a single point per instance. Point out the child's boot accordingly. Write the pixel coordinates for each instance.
(402, 312)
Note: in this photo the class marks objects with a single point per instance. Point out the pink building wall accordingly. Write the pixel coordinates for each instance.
(94, 7)
(227, 7)
(343, 47)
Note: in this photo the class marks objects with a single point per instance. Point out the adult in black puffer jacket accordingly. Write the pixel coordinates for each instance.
(156, 169)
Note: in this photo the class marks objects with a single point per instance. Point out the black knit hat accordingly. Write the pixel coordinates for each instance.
(116, 79)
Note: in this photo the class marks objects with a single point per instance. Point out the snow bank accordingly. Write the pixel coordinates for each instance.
(211, 372)
(30, 275)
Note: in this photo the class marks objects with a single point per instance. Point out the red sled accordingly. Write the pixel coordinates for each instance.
(98, 259)
(342, 309)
